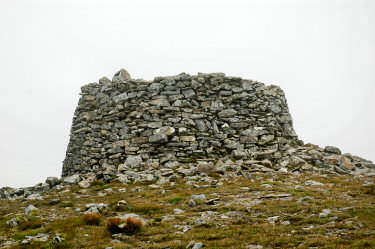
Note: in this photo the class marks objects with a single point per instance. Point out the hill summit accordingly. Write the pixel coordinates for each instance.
(189, 162)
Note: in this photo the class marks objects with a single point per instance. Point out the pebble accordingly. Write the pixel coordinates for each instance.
(191, 203)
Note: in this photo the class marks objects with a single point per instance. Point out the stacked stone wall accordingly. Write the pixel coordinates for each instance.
(179, 118)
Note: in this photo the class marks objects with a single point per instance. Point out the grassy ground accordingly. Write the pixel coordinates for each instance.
(245, 214)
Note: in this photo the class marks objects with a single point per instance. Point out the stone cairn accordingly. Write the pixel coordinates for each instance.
(178, 119)
(130, 130)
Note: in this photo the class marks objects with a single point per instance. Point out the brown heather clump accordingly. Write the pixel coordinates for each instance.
(113, 225)
(130, 226)
(92, 219)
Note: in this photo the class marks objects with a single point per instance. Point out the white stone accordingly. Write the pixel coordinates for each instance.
(178, 211)
(72, 179)
(30, 208)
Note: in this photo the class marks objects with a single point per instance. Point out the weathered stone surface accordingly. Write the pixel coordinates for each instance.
(217, 105)
(167, 130)
(158, 138)
(120, 97)
(133, 161)
(201, 125)
(227, 113)
(239, 154)
(30, 209)
(72, 179)
(95, 207)
(188, 138)
(84, 184)
(121, 76)
(160, 102)
(34, 197)
(52, 181)
(12, 222)
(332, 149)
(206, 167)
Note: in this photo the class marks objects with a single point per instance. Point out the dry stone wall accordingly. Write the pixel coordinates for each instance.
(180, 119)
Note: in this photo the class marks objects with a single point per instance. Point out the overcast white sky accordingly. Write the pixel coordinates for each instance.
(322, 53)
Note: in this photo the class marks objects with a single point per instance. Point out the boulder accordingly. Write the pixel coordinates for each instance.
(84, 184)
(239, 154)
(72, 179)
(12, 222)
(52, 181)
(167, 130)
(205, 167)
(332, 150)
(160, 102)
(133, 161)
(121, 76)
(34, 197)
(227, 113)
(95, 207)
(158, 138)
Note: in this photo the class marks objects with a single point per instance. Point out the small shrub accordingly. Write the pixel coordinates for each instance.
(92, 219)
(132, 226)
(121, 207)
(113, 225)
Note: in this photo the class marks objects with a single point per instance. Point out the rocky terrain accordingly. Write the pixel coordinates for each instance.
(188, 162)
(258, 210)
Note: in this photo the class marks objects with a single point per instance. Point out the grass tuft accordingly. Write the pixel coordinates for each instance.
(92, 219)
(146, 208)
(30, 224)
(176, 199)
(97, 183)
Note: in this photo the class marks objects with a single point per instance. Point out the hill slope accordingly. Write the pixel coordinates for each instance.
(261, 211)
